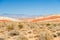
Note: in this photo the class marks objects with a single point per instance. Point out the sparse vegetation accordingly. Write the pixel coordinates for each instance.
(38, 30)
(20, 26)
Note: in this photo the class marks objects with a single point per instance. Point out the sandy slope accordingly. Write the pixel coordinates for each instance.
(47, 18)
(36, 19)
(58, 38)
(8, 19)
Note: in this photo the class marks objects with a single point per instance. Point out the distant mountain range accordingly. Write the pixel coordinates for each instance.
(19, 15)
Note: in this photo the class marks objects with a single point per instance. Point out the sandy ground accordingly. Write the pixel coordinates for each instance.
(57, 38)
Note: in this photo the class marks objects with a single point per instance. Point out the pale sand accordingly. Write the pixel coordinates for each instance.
(57, 38)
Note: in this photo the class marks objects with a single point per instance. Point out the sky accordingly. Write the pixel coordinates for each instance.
(29, 8)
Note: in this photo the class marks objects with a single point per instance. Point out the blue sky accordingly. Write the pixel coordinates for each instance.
(29, 7)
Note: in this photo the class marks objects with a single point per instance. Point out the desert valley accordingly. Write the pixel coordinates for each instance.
(38, 28)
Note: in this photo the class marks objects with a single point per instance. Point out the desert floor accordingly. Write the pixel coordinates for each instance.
(57, 38)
